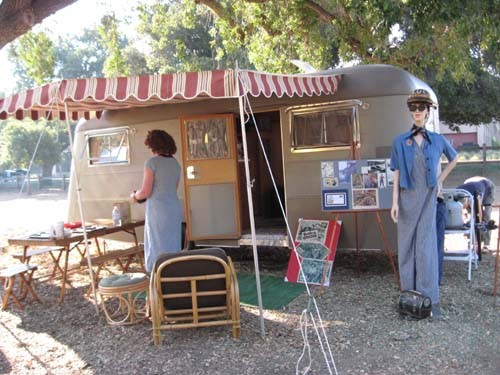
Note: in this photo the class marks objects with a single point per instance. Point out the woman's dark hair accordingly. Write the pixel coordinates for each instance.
(160, 142)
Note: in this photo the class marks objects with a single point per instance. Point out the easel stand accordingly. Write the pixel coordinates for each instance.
(381, 229)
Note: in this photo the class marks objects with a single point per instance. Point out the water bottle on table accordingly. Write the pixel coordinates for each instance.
(117, 216)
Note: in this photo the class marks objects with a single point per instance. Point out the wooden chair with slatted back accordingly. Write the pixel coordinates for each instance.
(194, 289)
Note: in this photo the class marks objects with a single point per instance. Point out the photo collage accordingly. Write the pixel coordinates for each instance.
(356, 184)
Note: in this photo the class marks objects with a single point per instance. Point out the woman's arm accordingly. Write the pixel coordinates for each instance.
(395, 197)
(147, 186)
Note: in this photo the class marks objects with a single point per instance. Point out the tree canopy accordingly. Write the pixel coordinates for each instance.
(115, 64)
(452, 45)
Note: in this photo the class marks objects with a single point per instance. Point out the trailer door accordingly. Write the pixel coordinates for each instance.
(210, 162)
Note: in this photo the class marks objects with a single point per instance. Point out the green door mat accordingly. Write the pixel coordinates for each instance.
(276, 293)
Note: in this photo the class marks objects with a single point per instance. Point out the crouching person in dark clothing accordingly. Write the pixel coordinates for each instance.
(484, 189)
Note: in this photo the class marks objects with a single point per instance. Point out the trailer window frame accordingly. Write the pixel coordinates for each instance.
(120, 156)
(323, 113)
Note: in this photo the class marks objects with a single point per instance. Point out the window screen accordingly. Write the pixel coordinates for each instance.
(108, 148)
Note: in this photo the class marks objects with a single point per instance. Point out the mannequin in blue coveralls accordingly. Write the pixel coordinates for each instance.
(415, 159)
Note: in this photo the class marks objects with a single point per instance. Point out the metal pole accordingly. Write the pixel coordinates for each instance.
(28, 174)
(80, 206)
(250, 211)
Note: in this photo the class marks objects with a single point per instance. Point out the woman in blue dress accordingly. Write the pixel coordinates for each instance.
(415, 160)
(162, 230)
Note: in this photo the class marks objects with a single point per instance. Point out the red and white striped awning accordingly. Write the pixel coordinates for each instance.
(94, 95)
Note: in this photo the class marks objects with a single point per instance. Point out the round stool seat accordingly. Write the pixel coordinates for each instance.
(124, 298)
(125, 279)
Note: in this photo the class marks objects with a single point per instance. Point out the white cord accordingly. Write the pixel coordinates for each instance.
(303, 331)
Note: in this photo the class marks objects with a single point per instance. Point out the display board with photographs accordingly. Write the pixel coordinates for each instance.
(356, 184)
(316, 243)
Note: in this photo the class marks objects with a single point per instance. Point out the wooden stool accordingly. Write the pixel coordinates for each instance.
(25, 272)
(124, 298)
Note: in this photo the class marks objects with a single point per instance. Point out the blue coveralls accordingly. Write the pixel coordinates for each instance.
(417, 242)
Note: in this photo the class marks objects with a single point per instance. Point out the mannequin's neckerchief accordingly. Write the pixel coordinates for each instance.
(420, 129)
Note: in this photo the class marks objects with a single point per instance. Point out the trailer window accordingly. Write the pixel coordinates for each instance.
(108, 148)
(321, 127)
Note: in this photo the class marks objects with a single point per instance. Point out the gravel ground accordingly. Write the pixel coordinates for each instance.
(365, 333)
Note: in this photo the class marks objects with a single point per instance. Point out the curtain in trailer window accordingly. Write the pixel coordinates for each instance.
(323, 127)
(338, 126)
(108, 148)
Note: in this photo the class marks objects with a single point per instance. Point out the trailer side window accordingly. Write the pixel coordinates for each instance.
(324, 127)
(108, 148)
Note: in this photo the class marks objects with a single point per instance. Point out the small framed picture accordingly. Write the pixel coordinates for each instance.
(335, 199)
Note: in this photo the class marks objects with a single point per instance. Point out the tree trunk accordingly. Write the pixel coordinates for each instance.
(47, 170)
(17, 17)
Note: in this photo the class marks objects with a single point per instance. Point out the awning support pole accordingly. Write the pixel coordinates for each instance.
(250, 209)
(80, 207)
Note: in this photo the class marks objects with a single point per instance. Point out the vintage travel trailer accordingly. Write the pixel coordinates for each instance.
(357, 121)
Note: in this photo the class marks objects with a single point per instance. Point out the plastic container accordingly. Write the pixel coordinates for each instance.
(117, 216)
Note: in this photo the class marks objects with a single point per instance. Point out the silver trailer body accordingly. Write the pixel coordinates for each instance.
(374, 94)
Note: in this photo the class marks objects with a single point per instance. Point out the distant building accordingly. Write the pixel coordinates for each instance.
(471, 135)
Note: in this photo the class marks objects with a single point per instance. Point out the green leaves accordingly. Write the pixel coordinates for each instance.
(36, 56)
(18, 141)
(115, 64)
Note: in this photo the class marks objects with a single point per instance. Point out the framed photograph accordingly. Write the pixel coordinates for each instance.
(346, 169)
(312, 230)
(365, 199)
(357, 181)
(336, 199)
(390, 173)
(376, 166)
(327, 169)
(330, 182)
(382, 180)
(313, 250)
(370, 180)
(315, 272)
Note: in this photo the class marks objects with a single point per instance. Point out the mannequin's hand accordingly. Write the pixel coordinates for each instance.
(439, 188)
(395, 212)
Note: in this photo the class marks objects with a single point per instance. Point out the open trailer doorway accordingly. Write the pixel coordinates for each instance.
(269, 221)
